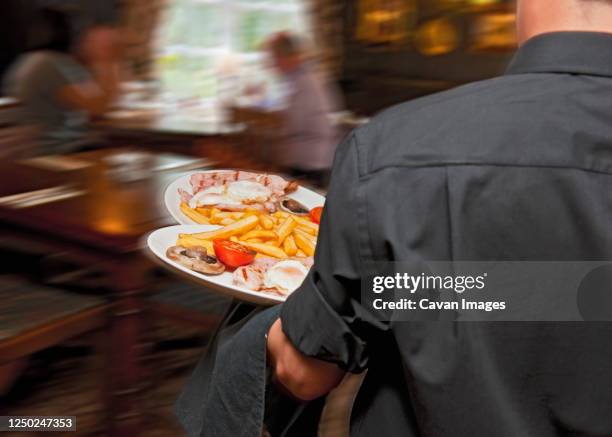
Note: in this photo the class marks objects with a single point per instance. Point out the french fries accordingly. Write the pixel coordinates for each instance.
(213, 214)
(306, 235)
(236, 228)
(258, 234)
(226, 222)
(279, 235)
(289, 246)
(285, 229)
(266, 249)
(188, 241)
(305, 244)
(194, 215)
(224, 218)
(204, 211)
(266, 221)
(307, 230)
(307, 226)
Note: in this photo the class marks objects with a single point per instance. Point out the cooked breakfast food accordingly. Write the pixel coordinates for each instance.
(233, 254)
(265, 252)
(315, 214)
(228, 196)
(196, 258)
(236, 191)
(273, 275)
(293, 206)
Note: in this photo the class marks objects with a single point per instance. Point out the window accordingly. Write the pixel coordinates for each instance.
(198, 36)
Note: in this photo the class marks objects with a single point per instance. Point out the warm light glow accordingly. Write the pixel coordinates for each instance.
(483, 2)
(381, 22)
(437, 37)
(112, 226)
(380, 16)
(494, 31)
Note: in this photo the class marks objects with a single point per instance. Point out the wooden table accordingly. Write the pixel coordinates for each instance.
(179, 122)
(166, 129)
(102, 227)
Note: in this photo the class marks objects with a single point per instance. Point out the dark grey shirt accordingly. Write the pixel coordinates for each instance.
(514, 168)
(35, 80)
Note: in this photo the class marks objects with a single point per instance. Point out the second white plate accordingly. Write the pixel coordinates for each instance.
(160, 240)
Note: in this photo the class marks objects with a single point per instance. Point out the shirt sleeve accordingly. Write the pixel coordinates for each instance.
(52, 72)
(324, 318)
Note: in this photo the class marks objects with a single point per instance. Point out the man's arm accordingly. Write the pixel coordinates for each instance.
(304, 377)
(323, 329)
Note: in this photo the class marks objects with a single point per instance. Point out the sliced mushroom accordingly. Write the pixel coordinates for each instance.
(293, 206)
(196, 259)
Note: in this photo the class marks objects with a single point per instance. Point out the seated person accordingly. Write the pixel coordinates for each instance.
(65, 81)
(310, 138)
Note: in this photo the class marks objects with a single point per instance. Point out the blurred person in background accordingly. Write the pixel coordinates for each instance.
(65, 81)
(310, 138)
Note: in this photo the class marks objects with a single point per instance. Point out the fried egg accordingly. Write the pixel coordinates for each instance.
(235, 193)
(212, 196)
(248, 191)
(285, 276)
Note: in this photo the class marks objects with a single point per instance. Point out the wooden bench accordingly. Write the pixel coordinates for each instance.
(33, 318)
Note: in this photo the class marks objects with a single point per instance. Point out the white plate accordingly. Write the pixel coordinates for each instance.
(172, 198)
(160, 240)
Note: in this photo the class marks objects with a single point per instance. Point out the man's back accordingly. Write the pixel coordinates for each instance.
(522, 162)
(518, 168)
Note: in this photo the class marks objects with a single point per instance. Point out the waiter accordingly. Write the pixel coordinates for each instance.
(514, 168)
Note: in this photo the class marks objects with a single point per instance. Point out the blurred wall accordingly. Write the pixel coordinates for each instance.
(140, 20)
(97, 11)
(437, 49)
(15, 16)
(327, 19)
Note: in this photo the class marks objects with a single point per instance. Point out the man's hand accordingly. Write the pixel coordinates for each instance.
(304, 377)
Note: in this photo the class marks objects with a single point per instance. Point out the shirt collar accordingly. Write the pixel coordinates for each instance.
(587, 53)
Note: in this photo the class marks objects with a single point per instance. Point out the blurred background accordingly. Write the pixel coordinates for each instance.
(104, 103)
